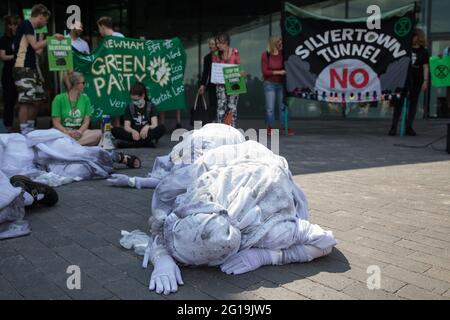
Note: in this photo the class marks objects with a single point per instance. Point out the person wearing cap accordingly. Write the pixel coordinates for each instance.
(76, 29)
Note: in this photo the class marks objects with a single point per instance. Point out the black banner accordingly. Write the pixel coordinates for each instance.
(342, 60)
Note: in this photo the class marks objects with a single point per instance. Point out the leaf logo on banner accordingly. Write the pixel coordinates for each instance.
(293, 25)
(441, 71)
(159, 71)
(403, 26)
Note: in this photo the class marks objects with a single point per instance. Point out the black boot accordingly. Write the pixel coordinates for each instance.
(393, 131)
(410, 132)
(35, 188)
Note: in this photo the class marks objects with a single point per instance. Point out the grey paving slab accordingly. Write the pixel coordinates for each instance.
(388, 207)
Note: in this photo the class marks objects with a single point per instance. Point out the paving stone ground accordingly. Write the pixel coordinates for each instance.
(388, 207)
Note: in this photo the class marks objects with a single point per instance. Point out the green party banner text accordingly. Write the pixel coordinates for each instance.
(117, 63)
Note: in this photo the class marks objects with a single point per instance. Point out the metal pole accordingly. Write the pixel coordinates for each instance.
(402, 124)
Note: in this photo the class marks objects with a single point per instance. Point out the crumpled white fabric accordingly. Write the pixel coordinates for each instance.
(8, 192)
(136, 240)
(44, 151)
(12, 210)
(247, 184)
(195, 143)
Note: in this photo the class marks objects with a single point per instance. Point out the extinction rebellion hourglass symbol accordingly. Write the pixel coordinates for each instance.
(441, 71)
(402, 26)
(292, 25)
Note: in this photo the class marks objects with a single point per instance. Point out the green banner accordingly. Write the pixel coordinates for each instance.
(440, 71)
(117, 63)
(27, 16)
(234, 82)
(60, 57)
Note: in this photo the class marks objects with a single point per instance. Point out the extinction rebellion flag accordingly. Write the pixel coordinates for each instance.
(117, 63)
(341, 60)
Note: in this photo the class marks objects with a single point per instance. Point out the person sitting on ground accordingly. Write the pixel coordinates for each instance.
(71, 113)
(141, 127)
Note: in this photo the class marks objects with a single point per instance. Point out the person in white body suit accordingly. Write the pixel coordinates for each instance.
(235, 206)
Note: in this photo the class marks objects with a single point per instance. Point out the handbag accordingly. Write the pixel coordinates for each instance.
(198, 113)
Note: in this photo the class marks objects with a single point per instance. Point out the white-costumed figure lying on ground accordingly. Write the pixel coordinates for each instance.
(53, 158)
(16, 194)
(236, 206)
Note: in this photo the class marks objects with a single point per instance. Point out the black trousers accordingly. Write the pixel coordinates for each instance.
(9, 100)
(153, 136)
(411, 107)
(212, 107)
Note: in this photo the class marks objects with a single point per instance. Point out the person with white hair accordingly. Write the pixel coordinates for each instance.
(235, 205)
(76, 30)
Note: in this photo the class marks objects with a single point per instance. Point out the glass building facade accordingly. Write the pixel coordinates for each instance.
(249, 24)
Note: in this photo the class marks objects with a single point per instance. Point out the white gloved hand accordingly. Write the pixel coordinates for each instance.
(144, 183)
(166, 275)
(249, 260)
(119, 180)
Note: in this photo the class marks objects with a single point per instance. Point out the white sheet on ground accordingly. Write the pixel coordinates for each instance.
(51, 157)
(240, 193)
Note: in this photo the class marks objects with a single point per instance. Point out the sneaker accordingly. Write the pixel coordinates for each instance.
(392, 132)
(35, 189)
(410, 132)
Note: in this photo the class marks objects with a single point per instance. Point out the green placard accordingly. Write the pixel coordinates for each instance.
(234, 82)
(60, 57)
(27, 16)
(440, 71)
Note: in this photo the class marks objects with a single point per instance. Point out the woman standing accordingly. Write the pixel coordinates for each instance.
(417, 81)
(272, 67)
(71, 113)
(226, 103)
(7, 56)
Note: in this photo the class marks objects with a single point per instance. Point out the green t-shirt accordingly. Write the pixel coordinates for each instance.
(71, 117)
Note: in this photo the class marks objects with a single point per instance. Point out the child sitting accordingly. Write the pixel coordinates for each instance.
(141, 127)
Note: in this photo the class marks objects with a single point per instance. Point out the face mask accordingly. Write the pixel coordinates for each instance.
(139, 103)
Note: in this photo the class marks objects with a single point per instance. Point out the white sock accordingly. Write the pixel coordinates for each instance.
(28, 199)
(24, 128)
(31, 124)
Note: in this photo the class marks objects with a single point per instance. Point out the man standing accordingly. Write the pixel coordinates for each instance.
(76, 29)
(205, 82)
(105, 28)
(28, 81)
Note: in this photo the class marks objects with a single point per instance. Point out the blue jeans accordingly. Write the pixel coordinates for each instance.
(274, 93)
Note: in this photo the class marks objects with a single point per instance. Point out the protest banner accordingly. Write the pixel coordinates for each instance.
(234, 82)
(60, 57)
(342, 60)
(117, 63)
